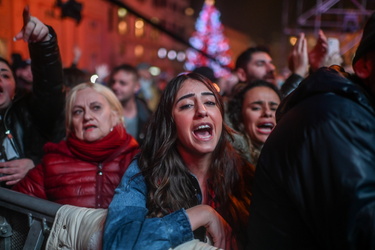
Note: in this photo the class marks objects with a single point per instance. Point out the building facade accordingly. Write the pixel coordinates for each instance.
(107, 33)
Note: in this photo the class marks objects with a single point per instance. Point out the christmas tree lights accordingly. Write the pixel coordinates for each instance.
(209, 38)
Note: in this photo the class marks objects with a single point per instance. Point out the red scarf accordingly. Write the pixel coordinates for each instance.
(100, 150)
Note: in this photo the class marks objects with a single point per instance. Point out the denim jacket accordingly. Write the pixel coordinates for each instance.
(127, 226)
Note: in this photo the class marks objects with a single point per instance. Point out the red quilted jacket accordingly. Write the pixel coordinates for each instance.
(63, 178)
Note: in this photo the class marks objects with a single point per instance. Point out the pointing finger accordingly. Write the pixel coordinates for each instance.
(26, 15)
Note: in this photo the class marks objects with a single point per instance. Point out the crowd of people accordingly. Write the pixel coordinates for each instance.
(201, 163)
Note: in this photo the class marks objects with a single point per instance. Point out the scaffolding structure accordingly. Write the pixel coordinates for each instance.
(343, 19)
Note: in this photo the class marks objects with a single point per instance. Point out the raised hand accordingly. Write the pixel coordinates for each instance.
(33, 29)
(298, 59)
(102, 71)
(318, 54)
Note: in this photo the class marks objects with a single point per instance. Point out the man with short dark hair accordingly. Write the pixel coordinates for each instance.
(124, 82)
(315, 179)
(255, 63)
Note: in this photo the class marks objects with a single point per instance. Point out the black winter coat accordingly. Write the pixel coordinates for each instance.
(315, 179)
(31, 117)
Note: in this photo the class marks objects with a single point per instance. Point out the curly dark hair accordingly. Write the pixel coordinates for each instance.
(168, 179)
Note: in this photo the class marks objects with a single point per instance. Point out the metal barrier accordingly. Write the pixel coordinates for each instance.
(25, 221)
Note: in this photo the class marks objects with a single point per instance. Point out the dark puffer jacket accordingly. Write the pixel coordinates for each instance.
(65, 179)
(31, 117)
(315, 180)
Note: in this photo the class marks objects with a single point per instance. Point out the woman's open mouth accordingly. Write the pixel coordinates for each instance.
(203, 131)
(265, 128)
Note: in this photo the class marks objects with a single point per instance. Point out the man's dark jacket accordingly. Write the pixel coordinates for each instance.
(143, 116)
(315, 180)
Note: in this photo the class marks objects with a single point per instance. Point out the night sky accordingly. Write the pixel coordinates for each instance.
(261, 19)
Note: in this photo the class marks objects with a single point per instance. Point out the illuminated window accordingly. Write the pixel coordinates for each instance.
(122, 12)
(122, 27)
(139, 27)
(138, 51)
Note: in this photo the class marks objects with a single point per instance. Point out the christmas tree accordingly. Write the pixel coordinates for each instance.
(209, 38)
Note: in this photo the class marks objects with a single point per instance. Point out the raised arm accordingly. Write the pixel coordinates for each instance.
(33, 29)
(48, 98)
(298, 64)
(318, 54)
